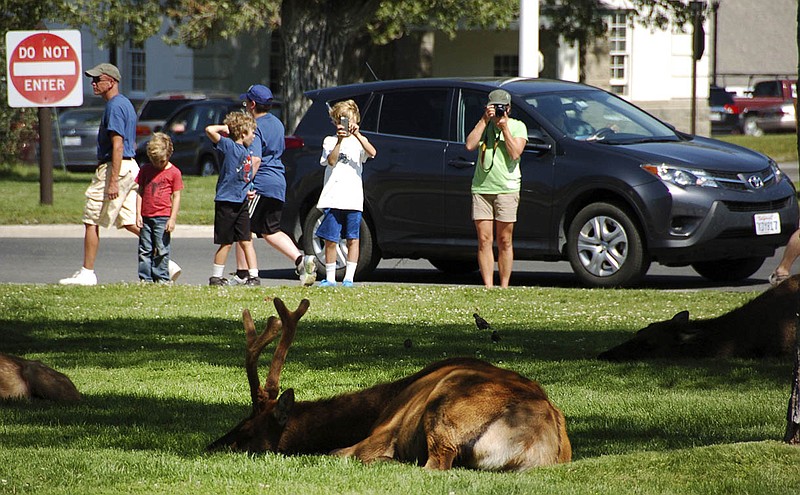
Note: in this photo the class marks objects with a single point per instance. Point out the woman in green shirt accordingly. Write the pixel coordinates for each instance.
(500, 141)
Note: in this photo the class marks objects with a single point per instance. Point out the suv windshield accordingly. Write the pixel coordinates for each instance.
(599, 116)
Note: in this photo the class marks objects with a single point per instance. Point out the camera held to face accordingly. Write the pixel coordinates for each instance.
(499, 109)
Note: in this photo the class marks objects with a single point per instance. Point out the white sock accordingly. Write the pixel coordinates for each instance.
(217, 270)
(253, 272)
(350, 270)
(330, 272)
(86, 270)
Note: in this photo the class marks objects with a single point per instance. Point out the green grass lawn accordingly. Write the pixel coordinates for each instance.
(161, 372)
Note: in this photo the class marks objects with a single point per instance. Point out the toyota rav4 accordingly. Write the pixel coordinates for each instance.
(604, 184)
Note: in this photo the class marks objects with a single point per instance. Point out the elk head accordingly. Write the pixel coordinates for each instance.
(261, 431)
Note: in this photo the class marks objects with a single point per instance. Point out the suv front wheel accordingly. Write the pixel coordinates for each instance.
(605, 247)
(368, 256)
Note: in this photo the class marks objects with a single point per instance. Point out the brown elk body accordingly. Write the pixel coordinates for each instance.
(763, 327)
(456, 412)
(26, 379)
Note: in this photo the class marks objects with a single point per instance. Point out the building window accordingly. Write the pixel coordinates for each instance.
(506, 65)
(276, 56)
(618, 51)
(138, 67)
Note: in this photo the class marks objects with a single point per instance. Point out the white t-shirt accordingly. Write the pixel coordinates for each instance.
(342, 188)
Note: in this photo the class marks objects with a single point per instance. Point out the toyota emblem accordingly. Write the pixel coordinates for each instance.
(755, 182)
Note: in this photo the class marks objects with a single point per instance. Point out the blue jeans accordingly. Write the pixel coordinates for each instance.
(154, 250)
(338, 224)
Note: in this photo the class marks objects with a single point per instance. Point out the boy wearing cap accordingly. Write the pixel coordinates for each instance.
(111, 197)
(500, 141)
(269, 183)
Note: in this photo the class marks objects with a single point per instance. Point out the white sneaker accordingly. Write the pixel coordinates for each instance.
(174, 271)
(307, 270)
(81, 277)
(236, 280)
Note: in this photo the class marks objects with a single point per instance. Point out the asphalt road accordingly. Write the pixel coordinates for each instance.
(44, 254)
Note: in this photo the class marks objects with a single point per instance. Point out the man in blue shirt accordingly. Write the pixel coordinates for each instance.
(111, 197)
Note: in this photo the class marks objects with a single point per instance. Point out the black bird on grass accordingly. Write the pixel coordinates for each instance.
(480, 322)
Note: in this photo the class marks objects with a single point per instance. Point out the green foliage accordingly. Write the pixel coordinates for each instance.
(161, 371)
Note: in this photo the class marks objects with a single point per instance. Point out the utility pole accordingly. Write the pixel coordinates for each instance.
(529, 38)
(698, 47)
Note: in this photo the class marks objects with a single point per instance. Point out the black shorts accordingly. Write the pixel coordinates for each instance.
(265, 215)
(231, 222)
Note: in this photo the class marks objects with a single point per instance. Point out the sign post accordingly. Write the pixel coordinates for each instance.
(44, 71)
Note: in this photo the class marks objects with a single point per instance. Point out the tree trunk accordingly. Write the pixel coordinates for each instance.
(315, 34)
(792, 435)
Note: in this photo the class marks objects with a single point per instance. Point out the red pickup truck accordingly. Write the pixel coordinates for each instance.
(770, 107)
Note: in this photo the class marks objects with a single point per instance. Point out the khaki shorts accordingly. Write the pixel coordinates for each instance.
(500, 207)
(120, 211)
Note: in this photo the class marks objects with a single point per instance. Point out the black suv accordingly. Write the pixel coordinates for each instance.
(604, 185)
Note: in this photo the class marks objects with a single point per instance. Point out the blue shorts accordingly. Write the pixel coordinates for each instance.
(338, 224)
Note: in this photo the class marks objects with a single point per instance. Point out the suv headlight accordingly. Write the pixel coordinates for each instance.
(776, 170)
(681, 176)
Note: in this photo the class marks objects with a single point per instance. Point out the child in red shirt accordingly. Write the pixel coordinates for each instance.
(157, 204)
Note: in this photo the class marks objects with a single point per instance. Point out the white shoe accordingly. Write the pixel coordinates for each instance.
(236, 280)
(308, 270)
(174, 271)
(81, 277)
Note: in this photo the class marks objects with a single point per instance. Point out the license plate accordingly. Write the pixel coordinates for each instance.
(71, 141)
(715, 117)
(767, 223)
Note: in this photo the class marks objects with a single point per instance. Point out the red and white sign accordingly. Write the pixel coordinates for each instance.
(44, 68)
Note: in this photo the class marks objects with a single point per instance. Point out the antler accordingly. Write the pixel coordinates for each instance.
(256, 344)
(289, 320)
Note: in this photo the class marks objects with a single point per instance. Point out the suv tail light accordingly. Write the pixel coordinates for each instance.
(732, 109)
(293, 142)
(142, 130)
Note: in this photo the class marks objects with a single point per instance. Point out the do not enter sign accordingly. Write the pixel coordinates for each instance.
(44, 68)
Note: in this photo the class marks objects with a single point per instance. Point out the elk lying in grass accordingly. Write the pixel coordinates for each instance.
(26, 379)
(457, 412)
(763, 327)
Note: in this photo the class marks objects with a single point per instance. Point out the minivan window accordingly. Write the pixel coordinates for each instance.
(414, 113)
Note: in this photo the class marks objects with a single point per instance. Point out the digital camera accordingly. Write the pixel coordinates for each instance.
(499, 109)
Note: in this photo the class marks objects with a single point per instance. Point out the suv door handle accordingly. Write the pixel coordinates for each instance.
(461, 163)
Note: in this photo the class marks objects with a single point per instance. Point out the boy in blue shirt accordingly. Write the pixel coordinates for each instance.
(234, 189)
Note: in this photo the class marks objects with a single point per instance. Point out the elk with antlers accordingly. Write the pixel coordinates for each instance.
(456, 412)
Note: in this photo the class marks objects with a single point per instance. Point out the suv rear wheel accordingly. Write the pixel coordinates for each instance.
(206, 166)
(368, 256)
(605, 248)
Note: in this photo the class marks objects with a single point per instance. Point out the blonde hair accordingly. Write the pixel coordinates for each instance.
(238, 123)
(346, 108)
(159, 148)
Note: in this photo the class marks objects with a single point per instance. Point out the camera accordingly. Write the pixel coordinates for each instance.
(345, 122)
(499, 109)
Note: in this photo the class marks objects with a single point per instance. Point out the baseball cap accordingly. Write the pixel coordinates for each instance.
(499, 97)
(258, 93)
(105, 68)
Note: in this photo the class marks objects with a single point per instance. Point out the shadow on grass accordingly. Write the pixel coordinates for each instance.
(559, 360)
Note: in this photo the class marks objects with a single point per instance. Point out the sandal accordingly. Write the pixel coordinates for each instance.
(775, 279)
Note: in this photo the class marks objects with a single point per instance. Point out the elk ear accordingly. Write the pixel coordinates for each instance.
(284, 408)
(682, 317)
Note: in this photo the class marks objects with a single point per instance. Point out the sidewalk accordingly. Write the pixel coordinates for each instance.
(67, 231)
